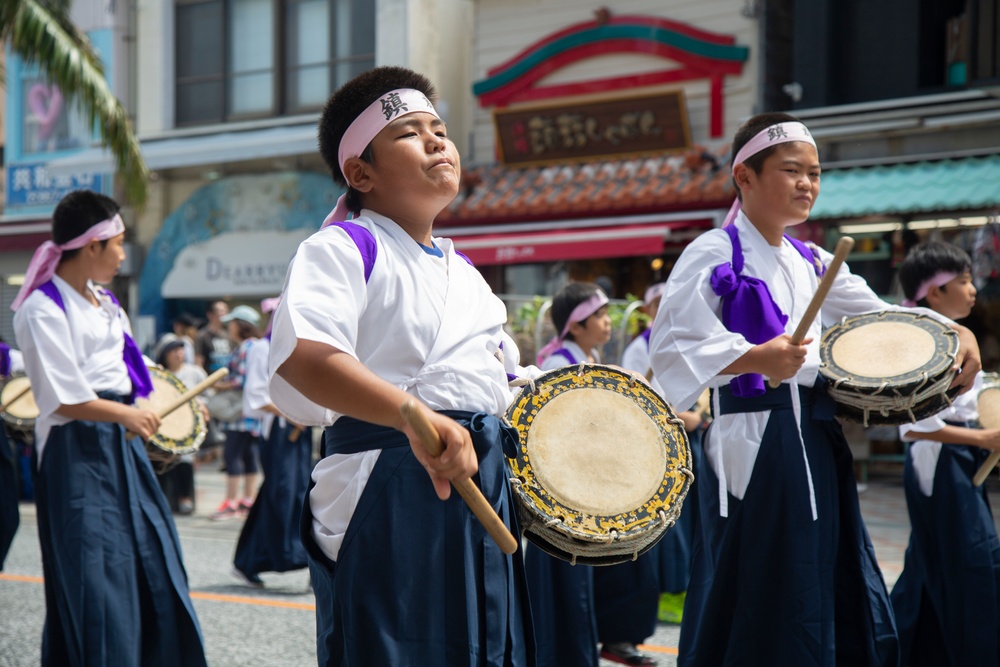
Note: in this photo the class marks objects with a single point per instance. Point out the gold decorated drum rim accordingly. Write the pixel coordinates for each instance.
(940, 361)
(662, 507)
(191, 441)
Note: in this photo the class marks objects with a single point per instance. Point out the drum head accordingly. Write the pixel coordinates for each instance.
(184, 429)
(22, 412)
(889, 367)
(603, 464)
(988, 401)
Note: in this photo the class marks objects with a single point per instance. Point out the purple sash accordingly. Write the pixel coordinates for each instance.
(142, 384)
(748, 307)
(4, 360)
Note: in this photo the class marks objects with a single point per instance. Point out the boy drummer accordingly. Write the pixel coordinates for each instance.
(115, 587)
(377, 312)
(786, 574)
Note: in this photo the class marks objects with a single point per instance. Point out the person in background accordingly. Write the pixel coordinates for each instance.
(947, 598)
(213, 346)
(186, 329)
(178, 482)
(269, 541)
(240, 450)
(562, 595)
(11, 362)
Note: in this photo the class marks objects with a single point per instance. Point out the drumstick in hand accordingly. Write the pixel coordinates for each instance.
(985, 469)
(15, 399)
(466, 488)
(188, 395)
(840, 253)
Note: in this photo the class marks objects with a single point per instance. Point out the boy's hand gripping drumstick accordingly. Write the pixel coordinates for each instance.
(466, 488)
(15, 398)
(985, 469)
(188, 395)
(840, 254)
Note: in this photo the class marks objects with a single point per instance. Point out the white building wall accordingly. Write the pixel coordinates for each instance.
(503, 28)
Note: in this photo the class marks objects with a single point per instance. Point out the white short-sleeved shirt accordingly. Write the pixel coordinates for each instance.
(70, 356)
(924, 453)
(255, 393)
(430, 326)
(554, 360)
(689, 345)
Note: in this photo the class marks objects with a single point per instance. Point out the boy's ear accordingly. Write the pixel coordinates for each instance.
(741, 174)
(933, 296)
(356, 172)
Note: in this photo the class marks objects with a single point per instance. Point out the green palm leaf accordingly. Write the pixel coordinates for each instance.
(42, 33)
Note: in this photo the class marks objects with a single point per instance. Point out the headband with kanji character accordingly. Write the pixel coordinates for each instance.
(366, 127)
(769, 136)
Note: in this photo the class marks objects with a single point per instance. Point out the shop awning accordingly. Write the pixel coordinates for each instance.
(917, 187)
(201, 149)
(549, 246)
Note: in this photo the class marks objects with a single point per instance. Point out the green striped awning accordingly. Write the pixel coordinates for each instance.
(918, 187)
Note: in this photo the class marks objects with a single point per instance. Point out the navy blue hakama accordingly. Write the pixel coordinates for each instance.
(675, 549)
(270, 541)
(562, 606)
(116, 590)
(10, 516)
(626, 598)
(418, 582)
(772, 586)
(947, 598)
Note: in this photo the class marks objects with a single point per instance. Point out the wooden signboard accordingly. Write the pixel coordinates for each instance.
(594, 128)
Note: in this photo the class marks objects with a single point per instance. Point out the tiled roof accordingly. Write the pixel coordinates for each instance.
(662, 183)
(945, 185)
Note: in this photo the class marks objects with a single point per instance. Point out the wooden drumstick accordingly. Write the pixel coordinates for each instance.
(15, 399)
(840, 254)
(187, 396)
(466, 488)
(985, 469)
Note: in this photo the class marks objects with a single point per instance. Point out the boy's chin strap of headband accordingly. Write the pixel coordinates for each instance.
(46, 258)
(769, 136)
(365, 127)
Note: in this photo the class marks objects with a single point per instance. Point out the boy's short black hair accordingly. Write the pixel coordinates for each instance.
(928, 259)
(568, 298)
(747, 131)
(77, 212)
(348, 102)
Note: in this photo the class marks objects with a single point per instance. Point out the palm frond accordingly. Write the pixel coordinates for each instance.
(67, 59)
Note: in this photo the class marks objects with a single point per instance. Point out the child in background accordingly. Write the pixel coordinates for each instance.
(947, 598)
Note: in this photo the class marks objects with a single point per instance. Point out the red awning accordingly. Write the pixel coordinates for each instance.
(549, 246)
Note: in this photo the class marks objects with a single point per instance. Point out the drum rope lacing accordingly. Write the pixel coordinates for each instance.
(886, 404)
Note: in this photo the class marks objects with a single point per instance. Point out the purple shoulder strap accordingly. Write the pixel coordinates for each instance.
(810, 254)
(4, 360)
(364, 240)
(142, 383)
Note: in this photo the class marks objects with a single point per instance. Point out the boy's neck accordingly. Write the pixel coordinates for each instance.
(773, 230)
(77, 276)
(418, 224)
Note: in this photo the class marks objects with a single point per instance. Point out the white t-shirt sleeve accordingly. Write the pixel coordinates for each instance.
(255, 392)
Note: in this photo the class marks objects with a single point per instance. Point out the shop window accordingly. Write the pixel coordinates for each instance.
(242, 59)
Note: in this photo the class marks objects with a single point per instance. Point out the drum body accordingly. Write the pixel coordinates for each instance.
(888, 368)
(20, 415)
(603, 465)
(182, 431)
(988, 401)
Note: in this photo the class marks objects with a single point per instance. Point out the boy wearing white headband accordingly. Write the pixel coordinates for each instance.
(376, 312)
(115, 587)
(784, 572)
(947, 598)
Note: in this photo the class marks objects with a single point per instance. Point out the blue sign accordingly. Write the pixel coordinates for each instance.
(29, 184)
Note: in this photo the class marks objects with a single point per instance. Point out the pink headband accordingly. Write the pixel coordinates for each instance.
(46, 258)
(937, 280)
(769, 136)
(366, 127)
(583, 310)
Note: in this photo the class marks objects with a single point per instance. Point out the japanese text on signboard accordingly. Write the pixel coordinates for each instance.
(609, 127)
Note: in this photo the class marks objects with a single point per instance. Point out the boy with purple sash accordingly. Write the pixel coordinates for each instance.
(115, 587)
(784, 572)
